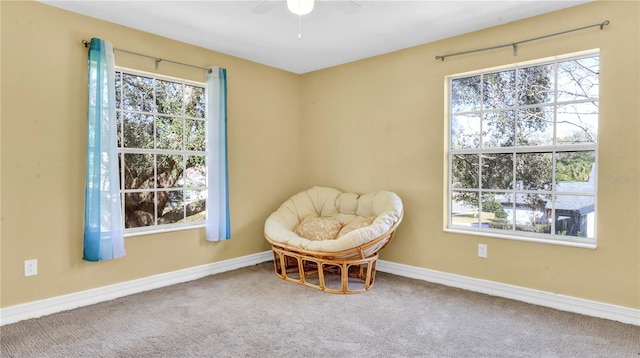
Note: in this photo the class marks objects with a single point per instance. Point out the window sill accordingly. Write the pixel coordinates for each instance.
(163, 230)
(584, 243)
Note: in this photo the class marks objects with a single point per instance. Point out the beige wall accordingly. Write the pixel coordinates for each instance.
(379, 123)
(372, 124)
(44, 81)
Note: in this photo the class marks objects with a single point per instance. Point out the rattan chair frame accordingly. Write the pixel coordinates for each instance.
(297, 265)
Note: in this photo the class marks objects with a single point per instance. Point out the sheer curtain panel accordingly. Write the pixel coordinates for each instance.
(103, 228)
(217, 222)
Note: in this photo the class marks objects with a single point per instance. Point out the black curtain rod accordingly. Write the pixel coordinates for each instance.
(515, 44)
(157, 60)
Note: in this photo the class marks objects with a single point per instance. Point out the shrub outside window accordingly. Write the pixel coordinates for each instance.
(161, 144)
(523, 151)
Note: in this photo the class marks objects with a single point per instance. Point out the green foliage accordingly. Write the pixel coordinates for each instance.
(465, 170)
(574, 166)
(497, 171)
(500, 224)
(501, 214)
(492, 206)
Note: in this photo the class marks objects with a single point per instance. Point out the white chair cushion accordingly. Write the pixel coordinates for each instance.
(383, 207)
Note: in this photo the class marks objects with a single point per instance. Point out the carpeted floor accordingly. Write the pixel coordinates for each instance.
(251, 313)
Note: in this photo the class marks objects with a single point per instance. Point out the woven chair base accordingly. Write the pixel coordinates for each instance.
(329, 275)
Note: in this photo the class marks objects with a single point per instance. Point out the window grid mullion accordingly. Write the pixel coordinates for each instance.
(553, 103)
(541, 149)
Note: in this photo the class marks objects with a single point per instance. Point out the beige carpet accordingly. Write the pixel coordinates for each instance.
(251, 313)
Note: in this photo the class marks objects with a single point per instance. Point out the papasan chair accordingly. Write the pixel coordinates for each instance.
(329, 240)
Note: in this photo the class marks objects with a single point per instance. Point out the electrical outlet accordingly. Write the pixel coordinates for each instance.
(30, 267)
(482, 250)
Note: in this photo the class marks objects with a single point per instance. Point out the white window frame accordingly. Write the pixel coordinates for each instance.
(158, 228)
(512, 234)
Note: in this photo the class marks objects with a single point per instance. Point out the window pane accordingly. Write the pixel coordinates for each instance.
(575, 215)
(498, 129)
(575, 171)
(194, 101)
(119, 129)
(496, 207)
(578, 79)
(138, 171)
(169, 133)
(465, 171)
(138, 130)
(577, 123)
(530, 213)
(499, 89)
(137, 93)
(120, 158)
(118, 79)
(533, 171)
(161, 123)
(169, 97)
(172, 204)
(169, 170)
(464, 208)
(497, 171)
(139, 209)
(535, 85)
(196, 200)
(465, 132)
(465, 94)
(535, 126)
(195, 135)
(196, 172)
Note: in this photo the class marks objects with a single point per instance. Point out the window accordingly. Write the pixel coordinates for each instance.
(523, 151)
(161, 145)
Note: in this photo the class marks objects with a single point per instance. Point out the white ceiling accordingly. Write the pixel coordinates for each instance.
(335, 32)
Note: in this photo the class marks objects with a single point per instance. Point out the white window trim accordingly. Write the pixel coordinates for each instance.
(579, 242)
(161, 229)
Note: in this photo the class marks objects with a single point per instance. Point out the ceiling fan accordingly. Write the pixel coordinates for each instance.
(303, 7)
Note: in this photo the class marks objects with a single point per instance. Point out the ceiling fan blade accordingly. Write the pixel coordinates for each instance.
(349, 7)
(263, 7)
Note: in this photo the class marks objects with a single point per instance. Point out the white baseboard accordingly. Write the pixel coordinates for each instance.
(536, 297)
(48, 306)
(52, 305)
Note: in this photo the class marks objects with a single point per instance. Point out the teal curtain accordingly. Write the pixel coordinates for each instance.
(217, 221)
(103, 228)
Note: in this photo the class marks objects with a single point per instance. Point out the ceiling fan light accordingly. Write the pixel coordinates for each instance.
(300, 7)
